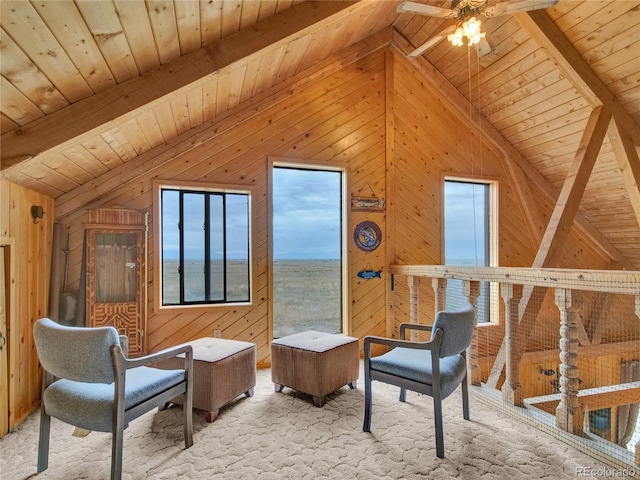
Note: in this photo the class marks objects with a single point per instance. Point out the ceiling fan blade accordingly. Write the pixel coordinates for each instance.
(432, 41)
(483, 48)
(430, 10)
(508, 8)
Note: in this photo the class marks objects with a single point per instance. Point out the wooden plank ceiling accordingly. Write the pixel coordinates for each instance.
(89, 85)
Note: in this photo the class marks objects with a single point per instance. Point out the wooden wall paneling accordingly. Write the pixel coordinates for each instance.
(85, 160)
(295, 54)
(86, 193)
(54, 181)
(150, 128)
(135, 136)
(180, 112)
(119, 143)
(166, 121)
(19, 108)
(194, 106)
(249, 81)
(72, 172)
(32, 256)
(245, 160)
(102, 151)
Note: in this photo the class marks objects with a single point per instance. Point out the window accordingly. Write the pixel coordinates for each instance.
(308, 274)
(204, 246)
(469, 238)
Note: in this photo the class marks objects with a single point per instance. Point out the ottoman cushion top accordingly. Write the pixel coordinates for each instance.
(314, 341)
(209, 349)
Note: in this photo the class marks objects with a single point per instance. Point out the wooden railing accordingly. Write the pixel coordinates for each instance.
(516, 287)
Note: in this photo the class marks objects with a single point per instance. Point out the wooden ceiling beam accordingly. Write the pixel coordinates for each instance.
(93, 194)
(575, 68)
(99, 112)
(571, 194)
(509, 152)
(627, 157)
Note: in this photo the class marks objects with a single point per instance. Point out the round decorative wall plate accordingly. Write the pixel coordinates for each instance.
(367, 236)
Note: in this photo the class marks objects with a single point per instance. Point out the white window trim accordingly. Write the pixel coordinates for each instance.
(158, 186)
(494, 288)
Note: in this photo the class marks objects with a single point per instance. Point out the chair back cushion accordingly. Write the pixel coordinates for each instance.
(457, 328)
(75, 353)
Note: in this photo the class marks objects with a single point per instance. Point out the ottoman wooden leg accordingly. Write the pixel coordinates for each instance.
(278, 388)
(319, 401)
(211, 416)
(353, 385)
(249, 393)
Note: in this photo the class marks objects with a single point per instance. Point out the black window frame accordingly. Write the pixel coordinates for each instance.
(208, 195)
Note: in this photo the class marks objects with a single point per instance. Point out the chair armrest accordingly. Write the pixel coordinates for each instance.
(158, 356)
(413, 326)
(392, 342)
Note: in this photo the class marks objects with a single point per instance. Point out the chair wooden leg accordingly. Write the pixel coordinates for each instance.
(437, 418)
(403, 394)
(465, 399)
(367, 404)
(188, 419)
(116, 453)
(43, 444)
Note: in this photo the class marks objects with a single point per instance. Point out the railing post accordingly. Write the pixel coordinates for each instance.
(512, 388)
(569, 415)
(637, 446)
(414, 304)
(471, 289)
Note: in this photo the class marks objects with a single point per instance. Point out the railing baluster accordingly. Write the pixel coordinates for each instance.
(512, 388)
(471, 289)
(569, 414)
(414, 304)
(440, 291)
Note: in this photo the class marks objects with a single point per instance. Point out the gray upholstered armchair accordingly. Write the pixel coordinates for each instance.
(89, 383)
(434, 368)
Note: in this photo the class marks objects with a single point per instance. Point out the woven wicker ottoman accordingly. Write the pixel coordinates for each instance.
(315, 363)
(222, 370)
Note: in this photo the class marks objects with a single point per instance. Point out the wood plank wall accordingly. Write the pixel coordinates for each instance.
(336, 119)
(31, 254)
(432, 141)
(376, 117)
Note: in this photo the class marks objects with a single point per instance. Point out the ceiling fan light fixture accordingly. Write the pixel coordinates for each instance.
(470, 29)
(456, 37)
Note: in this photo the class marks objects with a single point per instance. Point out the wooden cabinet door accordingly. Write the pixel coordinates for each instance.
(115, 283)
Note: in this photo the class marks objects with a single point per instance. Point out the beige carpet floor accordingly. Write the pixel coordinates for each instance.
(282, 435)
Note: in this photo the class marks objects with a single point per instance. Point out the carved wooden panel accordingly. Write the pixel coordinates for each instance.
(116, 272)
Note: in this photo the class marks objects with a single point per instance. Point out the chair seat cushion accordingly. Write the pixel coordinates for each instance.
(415, 364)
(90, 405)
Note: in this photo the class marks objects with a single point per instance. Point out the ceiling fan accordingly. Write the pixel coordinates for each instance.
(465, 12)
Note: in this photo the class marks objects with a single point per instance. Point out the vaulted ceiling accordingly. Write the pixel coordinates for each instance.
(89, 85)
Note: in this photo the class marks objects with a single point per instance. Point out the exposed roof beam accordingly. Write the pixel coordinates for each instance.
(576, 181)
(99, 191)
(575, 68)
(627, 156)
(461, 106)
(86, 117)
